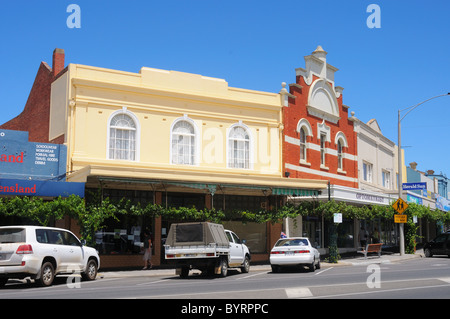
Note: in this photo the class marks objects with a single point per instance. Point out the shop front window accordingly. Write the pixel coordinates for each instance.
(124, 234)
(253, 233)
(123, 237)
(312, 228)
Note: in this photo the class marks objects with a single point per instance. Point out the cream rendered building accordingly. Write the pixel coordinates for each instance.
(177, 138)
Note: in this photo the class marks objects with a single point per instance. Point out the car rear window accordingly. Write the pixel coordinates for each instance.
(292, 242)
(12, 235)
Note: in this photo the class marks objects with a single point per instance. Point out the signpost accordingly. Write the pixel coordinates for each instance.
(400, 219)
(400, 206)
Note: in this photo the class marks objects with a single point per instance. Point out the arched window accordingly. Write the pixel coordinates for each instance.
(341, 142)
(122, 137)
(302, 144)
(339, 156)
(304, 130)
(238, 147)
(184, 142)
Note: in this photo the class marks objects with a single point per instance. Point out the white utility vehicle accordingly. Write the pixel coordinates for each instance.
(207, 247)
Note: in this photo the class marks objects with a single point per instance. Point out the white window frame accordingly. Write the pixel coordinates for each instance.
(386, 178)
(248, 147)
(304, 125)
(323, 149)
(340, 155)
(303, 145)
(193, 145)
(367, 172)
(136, 129)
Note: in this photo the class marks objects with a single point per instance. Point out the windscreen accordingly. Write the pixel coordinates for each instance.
(189, 233)
(12, 235)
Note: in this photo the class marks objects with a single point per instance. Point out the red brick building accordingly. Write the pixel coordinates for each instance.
(319, 141)
(35, 117)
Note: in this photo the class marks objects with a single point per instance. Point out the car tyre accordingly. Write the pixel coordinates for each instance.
(184, 272)
(91, 271)
(312, 266)
(246, 265)
(223, 267)
(428, 253)
(3, 282)
(47, 274)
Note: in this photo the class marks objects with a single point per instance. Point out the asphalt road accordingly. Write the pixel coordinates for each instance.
(417, 278)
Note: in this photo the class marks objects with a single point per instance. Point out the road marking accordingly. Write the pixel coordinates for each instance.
(152, 282)
(322, 271)
(300, 292)
(447, 279)
(261, 273)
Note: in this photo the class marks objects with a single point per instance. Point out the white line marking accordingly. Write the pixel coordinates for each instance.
(322, 271)
(261, 273)
(300, 292)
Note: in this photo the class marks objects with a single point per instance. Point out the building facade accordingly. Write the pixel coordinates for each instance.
(319, 139)
(168, 138)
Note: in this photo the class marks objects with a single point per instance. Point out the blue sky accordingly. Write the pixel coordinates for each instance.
(254, 45)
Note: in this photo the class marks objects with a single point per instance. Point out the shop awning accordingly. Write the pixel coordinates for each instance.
(294, 192)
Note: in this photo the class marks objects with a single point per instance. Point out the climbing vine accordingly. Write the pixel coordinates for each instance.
(91, 216)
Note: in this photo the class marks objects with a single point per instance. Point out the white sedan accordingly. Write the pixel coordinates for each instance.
(292, 252)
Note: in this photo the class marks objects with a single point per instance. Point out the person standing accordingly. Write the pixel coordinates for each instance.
(147, 250)
(363, 235)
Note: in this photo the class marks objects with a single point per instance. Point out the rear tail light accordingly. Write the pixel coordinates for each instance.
(294, 251)
(170, 256)
(24, 249)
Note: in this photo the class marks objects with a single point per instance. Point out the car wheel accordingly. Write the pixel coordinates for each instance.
(318, 264)
(275, 268)
(246, 266)
(184, 272)
(312, 267)
(223, 267)
(3, 281)
(91, 271)
(428, 253)
(47, 274)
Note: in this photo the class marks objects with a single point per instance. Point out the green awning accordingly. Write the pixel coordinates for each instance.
(294, 192)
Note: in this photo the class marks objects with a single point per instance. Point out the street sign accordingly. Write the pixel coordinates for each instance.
(400, 219)
(400, 206)
(411, 186)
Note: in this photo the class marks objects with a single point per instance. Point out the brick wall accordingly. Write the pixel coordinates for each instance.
(35, 116)
(297, 110)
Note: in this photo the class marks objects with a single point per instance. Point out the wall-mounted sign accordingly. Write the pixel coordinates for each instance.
(20, 187)
(20, 159)
(33, 169)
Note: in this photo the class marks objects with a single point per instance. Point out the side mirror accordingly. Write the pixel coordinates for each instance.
(244, 241)
(83, 242)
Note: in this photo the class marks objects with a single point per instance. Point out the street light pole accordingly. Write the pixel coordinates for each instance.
(400, 171)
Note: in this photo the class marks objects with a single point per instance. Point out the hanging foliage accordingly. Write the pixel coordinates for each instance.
(92, 216)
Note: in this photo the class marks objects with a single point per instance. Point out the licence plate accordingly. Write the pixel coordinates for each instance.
(289, 253)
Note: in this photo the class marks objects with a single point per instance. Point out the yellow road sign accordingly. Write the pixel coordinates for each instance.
(400, 219)
(400, 206)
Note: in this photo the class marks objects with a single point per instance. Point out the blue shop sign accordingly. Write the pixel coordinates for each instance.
(411, 186)
(21, 159)
(20, 187)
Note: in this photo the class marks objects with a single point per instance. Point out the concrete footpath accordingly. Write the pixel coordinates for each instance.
(385, 258)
